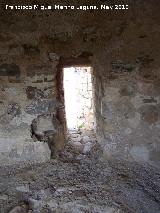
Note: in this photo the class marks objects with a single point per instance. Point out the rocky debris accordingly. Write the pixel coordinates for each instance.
(20, 209)
(87, 147)
(84, 186)
(77, 146)
(82, 141)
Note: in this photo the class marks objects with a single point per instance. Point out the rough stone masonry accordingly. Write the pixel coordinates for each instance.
(123, 48)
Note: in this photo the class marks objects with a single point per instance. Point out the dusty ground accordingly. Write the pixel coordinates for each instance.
(76, 184)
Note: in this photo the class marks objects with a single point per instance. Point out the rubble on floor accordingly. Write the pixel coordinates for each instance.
(84, 185)
(82, 141)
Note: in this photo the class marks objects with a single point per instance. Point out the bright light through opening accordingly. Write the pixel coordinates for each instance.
(78, 98)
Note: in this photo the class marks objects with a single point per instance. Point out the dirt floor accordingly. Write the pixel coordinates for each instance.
(78, 183)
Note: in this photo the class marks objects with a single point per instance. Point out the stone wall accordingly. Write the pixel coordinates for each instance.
(123, 47)
(26, 92)
(130, 115)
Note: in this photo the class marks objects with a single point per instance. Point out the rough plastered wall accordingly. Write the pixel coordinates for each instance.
(123, 47)
(130, 97)
(27, 90)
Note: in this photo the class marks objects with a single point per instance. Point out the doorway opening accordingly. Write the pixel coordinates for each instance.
(78, 84)
(78, 97)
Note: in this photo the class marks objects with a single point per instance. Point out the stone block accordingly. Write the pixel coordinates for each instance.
(146, 88)
(140, 153)
(13, 110)
(122, 67)
(150, 114)
(53, 57)
(135, 121)
(125, 108)
(15, 50)
(31, 50)
(25, 152)
(41, 69)
(33, 92)
(47, 128)
(111, 94)
(9, 70)
(127, 91)
(144, 60)
(19, 209)
(149, 100)
(44, 123)
(40, 107)
(2, 108)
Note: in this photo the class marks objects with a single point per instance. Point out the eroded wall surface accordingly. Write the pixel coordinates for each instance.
(123, 47)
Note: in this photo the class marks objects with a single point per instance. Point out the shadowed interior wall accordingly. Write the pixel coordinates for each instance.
(123, 48)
